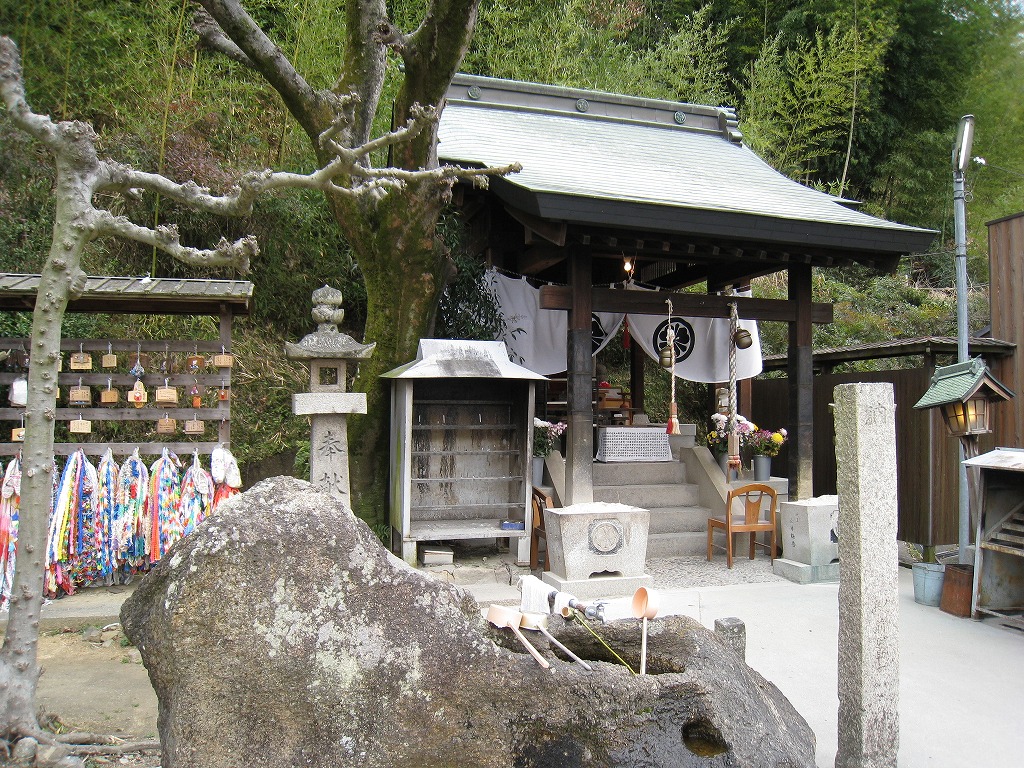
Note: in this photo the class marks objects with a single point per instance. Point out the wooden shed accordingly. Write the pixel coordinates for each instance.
(926, 454)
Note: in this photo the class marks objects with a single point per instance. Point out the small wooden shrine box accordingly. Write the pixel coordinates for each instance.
(461, 442)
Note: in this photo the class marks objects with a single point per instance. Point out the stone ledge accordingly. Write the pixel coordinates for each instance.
(802, 573)
(599, 586)
(315, 403)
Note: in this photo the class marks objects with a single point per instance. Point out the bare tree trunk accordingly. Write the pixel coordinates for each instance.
(19, 670)
(80, 175)
(405, 268)
(393, 237)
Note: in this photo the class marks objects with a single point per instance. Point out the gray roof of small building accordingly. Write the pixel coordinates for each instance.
(1000, 458)
(167, 295)
(646, 164)
(461, 359)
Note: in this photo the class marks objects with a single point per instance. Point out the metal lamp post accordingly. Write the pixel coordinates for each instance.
(961, 157)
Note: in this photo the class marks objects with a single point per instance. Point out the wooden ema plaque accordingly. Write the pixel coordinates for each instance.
(166, 426)
(80, 396)
(81, 361)
(81, 426)
(195, 427)
(166, 396)
(109, 396)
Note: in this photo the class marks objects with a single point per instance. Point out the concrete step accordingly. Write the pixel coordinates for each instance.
(639, 472)
(650, 496)
(679, 519)
(677, 544)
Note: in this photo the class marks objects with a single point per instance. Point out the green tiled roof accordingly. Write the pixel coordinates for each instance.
(957, 382)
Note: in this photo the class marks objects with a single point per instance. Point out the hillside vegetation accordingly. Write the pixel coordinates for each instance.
(858, 97)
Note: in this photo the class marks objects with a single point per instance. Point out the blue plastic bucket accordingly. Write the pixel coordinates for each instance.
(928, 583)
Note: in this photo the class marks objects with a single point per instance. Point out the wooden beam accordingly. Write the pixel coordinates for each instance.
(539, 257)
(553, 232)
(686, 304)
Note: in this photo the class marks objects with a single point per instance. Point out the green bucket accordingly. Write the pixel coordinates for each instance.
(928, 583)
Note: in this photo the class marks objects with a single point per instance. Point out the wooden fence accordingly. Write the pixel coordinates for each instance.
(926, 454)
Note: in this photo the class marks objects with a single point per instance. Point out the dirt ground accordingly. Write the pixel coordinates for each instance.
(93, 681)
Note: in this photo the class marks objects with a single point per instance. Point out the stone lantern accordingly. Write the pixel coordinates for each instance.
(327, 351)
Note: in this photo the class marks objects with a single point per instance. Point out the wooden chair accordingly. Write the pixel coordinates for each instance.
(747, 520)
(540, 501)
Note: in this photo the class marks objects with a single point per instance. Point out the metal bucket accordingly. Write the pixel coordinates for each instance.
(928, 583)
(957, 590)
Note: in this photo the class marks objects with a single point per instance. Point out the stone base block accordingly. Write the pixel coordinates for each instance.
(595, 538)
(598, 586)
(802, 573)
(810, 530)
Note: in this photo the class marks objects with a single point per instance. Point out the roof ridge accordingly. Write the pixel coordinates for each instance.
(593, 104)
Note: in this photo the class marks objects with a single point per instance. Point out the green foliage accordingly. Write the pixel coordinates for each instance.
(26, 202)
(605, 46)
(789, 67)
(797, 101)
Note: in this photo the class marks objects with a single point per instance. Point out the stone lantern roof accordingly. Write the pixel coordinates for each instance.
(327, 342)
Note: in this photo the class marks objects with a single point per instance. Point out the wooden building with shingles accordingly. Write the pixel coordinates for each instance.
(673, 186)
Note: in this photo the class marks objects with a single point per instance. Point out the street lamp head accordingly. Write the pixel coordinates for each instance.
(964, 392)
(962, 145)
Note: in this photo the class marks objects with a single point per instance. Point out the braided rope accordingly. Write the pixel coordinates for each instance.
(734, 436)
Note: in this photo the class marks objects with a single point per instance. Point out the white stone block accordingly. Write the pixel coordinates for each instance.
(597, 538)
(810, 530)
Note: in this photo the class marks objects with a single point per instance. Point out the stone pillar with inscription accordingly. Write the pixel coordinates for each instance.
(327, 352)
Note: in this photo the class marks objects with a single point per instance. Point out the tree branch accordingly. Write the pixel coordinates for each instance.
(212, 37)
(445, 173)
(420, 118)
(306, 105)
(12, 89)
(225, 254)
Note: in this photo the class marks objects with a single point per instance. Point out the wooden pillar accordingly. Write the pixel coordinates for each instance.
(579, 460)
(801, 386)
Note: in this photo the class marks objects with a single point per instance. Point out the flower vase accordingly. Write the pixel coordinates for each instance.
(762, 468)
(538, 470)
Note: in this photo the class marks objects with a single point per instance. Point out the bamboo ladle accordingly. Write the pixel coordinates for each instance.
(539, 622)
(503, 616)
(645, 606)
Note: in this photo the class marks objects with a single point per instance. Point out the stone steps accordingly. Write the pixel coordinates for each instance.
(678, 522)
(639, 473)
(679, 519)
(677, 544)
(653, 496)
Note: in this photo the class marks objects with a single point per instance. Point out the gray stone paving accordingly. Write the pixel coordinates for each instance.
(492, 566)
(695, 571)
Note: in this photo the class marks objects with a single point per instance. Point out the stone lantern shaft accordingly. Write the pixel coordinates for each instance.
(327, 352)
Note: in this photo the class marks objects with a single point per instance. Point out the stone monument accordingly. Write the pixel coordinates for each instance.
(809, 534)
(327, 351)
(597, 549)
(869, 643)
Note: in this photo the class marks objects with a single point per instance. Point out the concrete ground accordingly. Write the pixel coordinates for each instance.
(961, 689)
